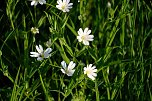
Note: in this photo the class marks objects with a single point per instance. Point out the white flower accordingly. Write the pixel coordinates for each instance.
(35, 2)
(84, 36)
(34, 30)
(64, 5)
(68, 70)
(109, 4)
(41, 54)
(78, 0)
(90, 71)
(48, 43)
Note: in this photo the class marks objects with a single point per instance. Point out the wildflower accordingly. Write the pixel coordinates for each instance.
(78, 0)
(48, 43)
(109, 4)
(90, 71)
(34, 30)
(35, 2)
(64, 5)
(68, 70)
(84, 36)
(41, 54)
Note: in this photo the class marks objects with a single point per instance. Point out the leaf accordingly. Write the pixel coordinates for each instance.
(41, 21)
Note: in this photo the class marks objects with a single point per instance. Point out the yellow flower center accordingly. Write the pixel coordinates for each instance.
(88, 71)
(63, 5)
(83, 37)
(42, 55)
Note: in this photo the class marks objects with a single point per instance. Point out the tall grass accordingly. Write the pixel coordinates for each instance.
(121, 51)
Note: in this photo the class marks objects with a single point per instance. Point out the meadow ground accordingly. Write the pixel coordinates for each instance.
(86, 50)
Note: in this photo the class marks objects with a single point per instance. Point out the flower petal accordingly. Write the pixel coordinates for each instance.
(80, 32)
(94, 74)
(86, 30)
(64, 65)
(85, 42)
(63, 71)
(39, 49)
(90, 65)
(46, 55)
(33, 3)
(91, 77)
(90, 37)
(71, 65)
(70, 73)
(34, 54)
(48, 50)
(39, 58)
(67, 1)
(79, 38)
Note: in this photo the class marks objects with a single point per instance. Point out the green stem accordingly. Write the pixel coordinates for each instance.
(43, 86)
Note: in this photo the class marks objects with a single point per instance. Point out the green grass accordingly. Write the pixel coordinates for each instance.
(121, 51)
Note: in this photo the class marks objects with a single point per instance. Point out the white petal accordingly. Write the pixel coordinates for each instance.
(67, 10)
(48, 50)
(64, 65)
(57, 6)
(39, 49)
(80, 32)
(90, 65)
(34, 54)
(86, 30)
(84, 70)
(67, 1)
(64, 10)
(63, 71)
(70, 73)
(59, 2)
(94, 70)
(90, 38)
(85, 42)
(79, 38)
(71, 65)
(48, 43)
(93, 67)
(39, 58)
(94, 74)
(70, 4)
(33, 3)
(46, 55)
(91, 77)
(42, 2)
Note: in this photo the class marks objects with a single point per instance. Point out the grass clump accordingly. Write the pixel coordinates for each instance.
(106, 47)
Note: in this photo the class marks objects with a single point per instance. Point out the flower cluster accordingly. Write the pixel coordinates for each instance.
(69, 70)
(83, 36)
